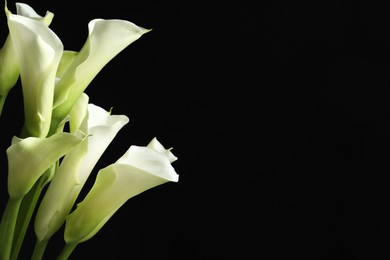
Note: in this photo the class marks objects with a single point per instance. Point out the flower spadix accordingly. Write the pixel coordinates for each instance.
(28, 159)
(101, 127)
(106, 38)
(9, 69)
(139, 169)
(38, 51)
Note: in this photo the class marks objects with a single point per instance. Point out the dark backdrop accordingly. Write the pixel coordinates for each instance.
(277, 112)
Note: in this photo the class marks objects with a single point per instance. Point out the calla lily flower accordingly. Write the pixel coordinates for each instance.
(105, 40)
(76, 166)
(29, 158)
(9, 69)
(139, 169)
(38, 51)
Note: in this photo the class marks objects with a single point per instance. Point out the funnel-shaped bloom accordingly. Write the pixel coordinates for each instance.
(29, 158)
(9, 69)
(38, 52)
(139, 169)
(105, 40)
(76, 167)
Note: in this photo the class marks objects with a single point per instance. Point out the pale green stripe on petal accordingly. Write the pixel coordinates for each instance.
(9, 69)
(66, 60)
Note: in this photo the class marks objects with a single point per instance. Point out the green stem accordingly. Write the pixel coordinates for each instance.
(67, 251)
(28, 206)
(39, 249)
(7, 227)
(27, 209)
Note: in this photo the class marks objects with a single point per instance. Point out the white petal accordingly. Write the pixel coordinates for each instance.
(27, 11)
(99, 117)
(38, 51)
(156, 145)
(149, 160)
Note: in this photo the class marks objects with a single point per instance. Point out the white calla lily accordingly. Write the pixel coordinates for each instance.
(105, 40)
(9, 69)
(75, 168)
(139, 169)
(38, 51)
(29, 158)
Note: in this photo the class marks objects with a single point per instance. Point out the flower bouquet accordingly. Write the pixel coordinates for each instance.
(64, 135)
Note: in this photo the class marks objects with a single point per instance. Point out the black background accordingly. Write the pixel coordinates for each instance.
(277, 112)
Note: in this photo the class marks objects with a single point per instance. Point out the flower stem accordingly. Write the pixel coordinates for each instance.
(7, 227)
(39, 249)
(26, 211)
(67, 251)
